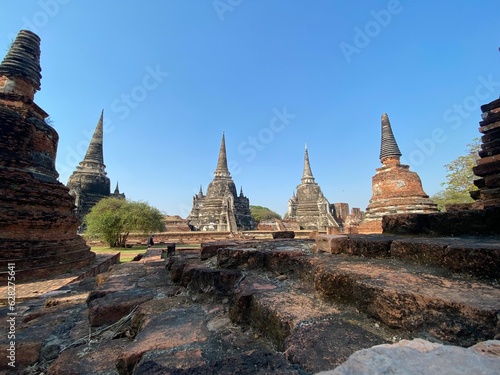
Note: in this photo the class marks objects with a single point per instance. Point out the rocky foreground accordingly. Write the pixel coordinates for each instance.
(275, 307)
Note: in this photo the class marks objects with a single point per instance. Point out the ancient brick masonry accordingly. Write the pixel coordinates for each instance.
(348, 220)
(37, 223)
(395, 189)
(488, 166)
(221, 209)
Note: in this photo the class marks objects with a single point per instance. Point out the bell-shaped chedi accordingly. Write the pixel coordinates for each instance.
(37, 223)
(395, 189)
(221, 209)
(309, 208)
(89, 182)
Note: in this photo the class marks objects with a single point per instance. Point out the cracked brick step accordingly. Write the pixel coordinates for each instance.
(461, 311)
(478, 257)
(311, 333)
(269, 297)
(426, 300)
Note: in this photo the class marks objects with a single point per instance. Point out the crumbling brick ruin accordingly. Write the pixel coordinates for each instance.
(488, 165)
(221, 209)
(395, 189)
(348, 220)
(37, 222)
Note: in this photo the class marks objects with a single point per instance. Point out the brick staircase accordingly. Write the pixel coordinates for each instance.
(288, 306)
(343, 293)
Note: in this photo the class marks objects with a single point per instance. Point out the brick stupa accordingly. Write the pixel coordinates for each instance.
(395, 189)
(488, 165)
(309, 207)
(37, 223)
(221, 209)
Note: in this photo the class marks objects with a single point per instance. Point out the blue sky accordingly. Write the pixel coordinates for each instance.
(171, 76)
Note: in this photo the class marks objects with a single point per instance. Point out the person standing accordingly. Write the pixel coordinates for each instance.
(151, 241)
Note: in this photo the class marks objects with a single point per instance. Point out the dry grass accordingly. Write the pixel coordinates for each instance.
(128, 254)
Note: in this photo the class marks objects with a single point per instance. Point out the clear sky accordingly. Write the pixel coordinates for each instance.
(171, 76)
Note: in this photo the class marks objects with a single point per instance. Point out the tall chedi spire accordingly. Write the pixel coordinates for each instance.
(221, 209)
(395, 189)
(222, 170)
(307, 176)
(309, 208)
(89, 182)
(388, 146)
(94, 152)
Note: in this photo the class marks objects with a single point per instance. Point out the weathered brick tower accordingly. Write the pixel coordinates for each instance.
(221, 209)
(37, 222)
(309, 208)
(395, 189)
(488, 165)
(89, 182)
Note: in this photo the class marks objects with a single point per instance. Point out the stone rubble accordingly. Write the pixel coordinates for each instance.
(420, 357)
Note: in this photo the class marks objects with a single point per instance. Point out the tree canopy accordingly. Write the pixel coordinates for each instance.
(459, 178)
(112, 219)
(260, 213)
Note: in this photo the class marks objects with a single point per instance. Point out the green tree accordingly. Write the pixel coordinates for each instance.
(260, 213)
(112, 219)
(459, 178)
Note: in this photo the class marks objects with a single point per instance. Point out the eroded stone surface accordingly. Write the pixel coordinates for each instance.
(298, 312)
(111, 307)
(479, 257)
(209, 249)
(173, 328)
(89, 360)
(453, 223)
(457, 311)
(327, 343)
(418, 357)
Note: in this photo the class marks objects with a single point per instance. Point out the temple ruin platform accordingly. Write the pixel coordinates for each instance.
(288, 306)
(49, 286)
